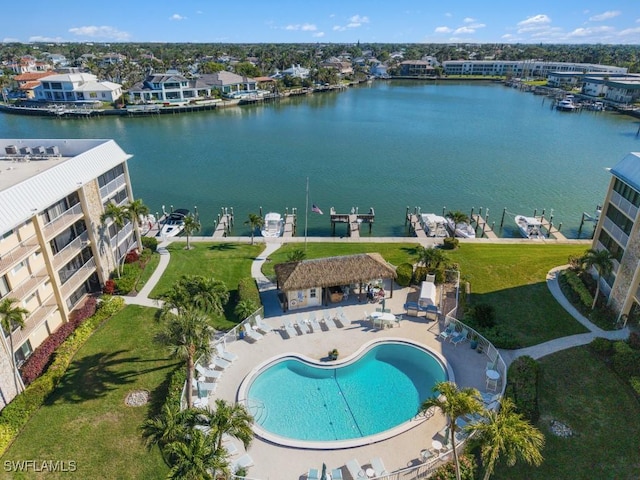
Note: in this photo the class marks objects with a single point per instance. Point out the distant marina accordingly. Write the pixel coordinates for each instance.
(387, 145)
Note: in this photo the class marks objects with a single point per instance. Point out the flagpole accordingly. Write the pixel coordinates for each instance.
(306, 216)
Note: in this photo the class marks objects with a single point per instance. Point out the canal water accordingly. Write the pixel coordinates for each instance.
(388, 145)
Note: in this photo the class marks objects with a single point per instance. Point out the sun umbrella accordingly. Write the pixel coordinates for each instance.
(324, 472)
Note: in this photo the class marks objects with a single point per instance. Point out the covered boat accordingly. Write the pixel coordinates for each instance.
(434, 225)
(273, 225)
(530, 227)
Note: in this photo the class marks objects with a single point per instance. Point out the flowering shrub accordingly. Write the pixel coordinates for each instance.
(132, 257)
(109, 287)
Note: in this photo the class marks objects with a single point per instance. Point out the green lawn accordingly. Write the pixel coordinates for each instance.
(512, 278)
(228, 262)
(86, 420)
(580, 391)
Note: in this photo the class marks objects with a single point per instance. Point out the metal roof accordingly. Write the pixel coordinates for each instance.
(28, 187)
(628, 170)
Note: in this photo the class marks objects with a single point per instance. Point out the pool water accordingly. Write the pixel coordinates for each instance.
(380, 390)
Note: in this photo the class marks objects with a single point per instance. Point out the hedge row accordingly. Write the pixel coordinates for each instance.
(405, 274)
(16, 414)
(41, 356)
(522, 386)
(579, 288)
(248, 290)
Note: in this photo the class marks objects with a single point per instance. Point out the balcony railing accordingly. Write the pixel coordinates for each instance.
(80, 275)
(18, 253)
(624, 205)
(67, 218)
(113, 186)
(27, 287)
(37, 317)
(616, 232)
(71, 250)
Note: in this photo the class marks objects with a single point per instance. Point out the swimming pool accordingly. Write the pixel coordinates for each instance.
(377, 390)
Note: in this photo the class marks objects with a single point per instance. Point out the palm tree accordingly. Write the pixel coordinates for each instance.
(167, 427)
(244, 308)
(296, 255)
(118, 216)
(195, 292)
(11, 316)
(507, 433)
(191, 225)
(196, 458)
(188, 337)
(602, 261)
(454, 403)
(431, 258)
(230, 419)
(458, 217)
(254, 222)
(136, 210)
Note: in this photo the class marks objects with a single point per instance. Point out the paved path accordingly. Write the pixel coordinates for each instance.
(557, 344)
(268, 295)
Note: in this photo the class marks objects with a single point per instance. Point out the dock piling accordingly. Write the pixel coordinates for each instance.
(504, 211)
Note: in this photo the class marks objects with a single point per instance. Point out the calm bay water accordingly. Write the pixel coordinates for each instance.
(388, 145)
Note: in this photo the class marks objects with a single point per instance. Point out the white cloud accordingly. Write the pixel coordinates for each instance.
(354, 22)
(104, 31)
(305, 27)
(448, 14)
(318, 34)
(443, 30)
(10, 40)
(359, 19)
(589, 32)
(535, 20)
(464, 31)
(605, 16)
(338, 28)
(629, 31)
(468, 20)
(199, 12)
(177, 16)
(40, 38)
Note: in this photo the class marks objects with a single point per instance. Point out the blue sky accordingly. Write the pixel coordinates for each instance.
(291, 21)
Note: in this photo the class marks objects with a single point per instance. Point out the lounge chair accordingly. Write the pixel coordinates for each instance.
(460, 337)
(245, 461)
(336, 474)
(313, 474)
(289, 328)
(208, 372)
(225, 354)
(447, 332)
(315, 325)
(217, 362)
(356, 471)
(304, 326)
(488, 398)
(328, 321)
(263, 326)
(251, 334)
(231, 448)
(378, 467)
(208, 387)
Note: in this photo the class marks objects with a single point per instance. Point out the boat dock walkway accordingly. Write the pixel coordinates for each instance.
(415, 226)
(222, 227)
(289, 225)
(551, 229)
(482, 224)
(353, 220)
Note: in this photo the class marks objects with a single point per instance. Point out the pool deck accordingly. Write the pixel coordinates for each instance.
(274, 462)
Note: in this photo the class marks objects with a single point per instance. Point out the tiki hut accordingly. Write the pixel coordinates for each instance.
(319, 281)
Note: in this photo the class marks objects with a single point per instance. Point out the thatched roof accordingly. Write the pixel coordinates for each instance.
(331, 271)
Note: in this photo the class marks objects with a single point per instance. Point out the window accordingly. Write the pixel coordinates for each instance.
(19, 267)
(312, 293)
(620, 219)
(112, 174)
(6, 234)
(23, 353)
(4, 286)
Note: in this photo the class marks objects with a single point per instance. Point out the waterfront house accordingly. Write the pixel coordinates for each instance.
(340, 66)
(27, 82)
(228, 82)
(165, 87)
(417, 68)
(295, 71)
(311, 283)
(76, 88)
(53, 248)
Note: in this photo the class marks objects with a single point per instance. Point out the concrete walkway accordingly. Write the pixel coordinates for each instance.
(268, 295)
(558, 344)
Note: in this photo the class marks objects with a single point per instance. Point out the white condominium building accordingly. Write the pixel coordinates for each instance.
(54, 249)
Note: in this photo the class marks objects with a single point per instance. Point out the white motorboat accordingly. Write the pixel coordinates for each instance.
(566, 104)
(461, 229)
(530, 227)
(434, 225)
(273, 225)
(174, 223)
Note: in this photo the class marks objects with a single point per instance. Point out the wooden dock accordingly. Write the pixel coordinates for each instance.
(222, 227)
(415, 226)
(289, 225)
(551, 229)
(483, 226)
(354, 220)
